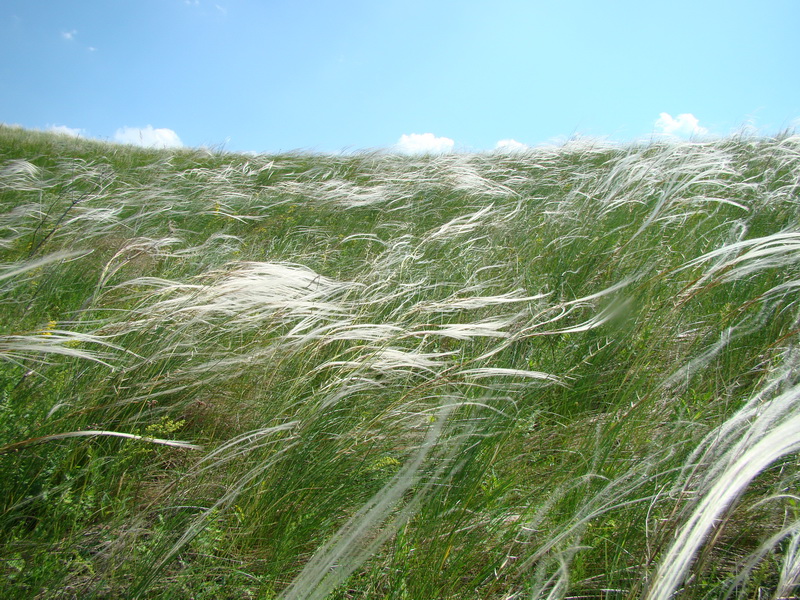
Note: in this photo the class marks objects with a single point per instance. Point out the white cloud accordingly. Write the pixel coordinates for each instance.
(148, 137)
(424, 143)
(64, 130)
(511, 146)
(69, 35)
(684, 126)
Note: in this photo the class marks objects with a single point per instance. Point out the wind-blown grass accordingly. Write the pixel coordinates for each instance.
(563, 373)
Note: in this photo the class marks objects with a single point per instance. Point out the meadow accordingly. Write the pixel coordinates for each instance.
(570, 372)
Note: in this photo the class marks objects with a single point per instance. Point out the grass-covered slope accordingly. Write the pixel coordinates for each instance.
(571, 372)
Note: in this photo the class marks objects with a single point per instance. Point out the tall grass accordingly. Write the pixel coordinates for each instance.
(564, 373)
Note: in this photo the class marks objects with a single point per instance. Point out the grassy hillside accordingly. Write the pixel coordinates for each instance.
(572, 372)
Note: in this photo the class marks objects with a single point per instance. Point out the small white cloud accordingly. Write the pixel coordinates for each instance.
(64, 130)
(424, 143)
(92, 49)
(511, 146)
(69, 35)
(148, 137)
(683, 126)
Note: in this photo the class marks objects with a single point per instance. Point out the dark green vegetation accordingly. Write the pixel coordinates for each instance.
(565, 373)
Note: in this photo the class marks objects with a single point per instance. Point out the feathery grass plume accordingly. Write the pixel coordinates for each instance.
(366, 530)
(91, 433)
(36, 347)
(752, 447)
(10, 271)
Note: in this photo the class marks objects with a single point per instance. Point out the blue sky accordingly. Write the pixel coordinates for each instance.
(273, 75)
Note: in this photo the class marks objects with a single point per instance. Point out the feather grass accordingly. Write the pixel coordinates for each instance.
(565, 372)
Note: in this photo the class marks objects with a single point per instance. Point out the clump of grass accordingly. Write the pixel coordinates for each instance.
(569, 372)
